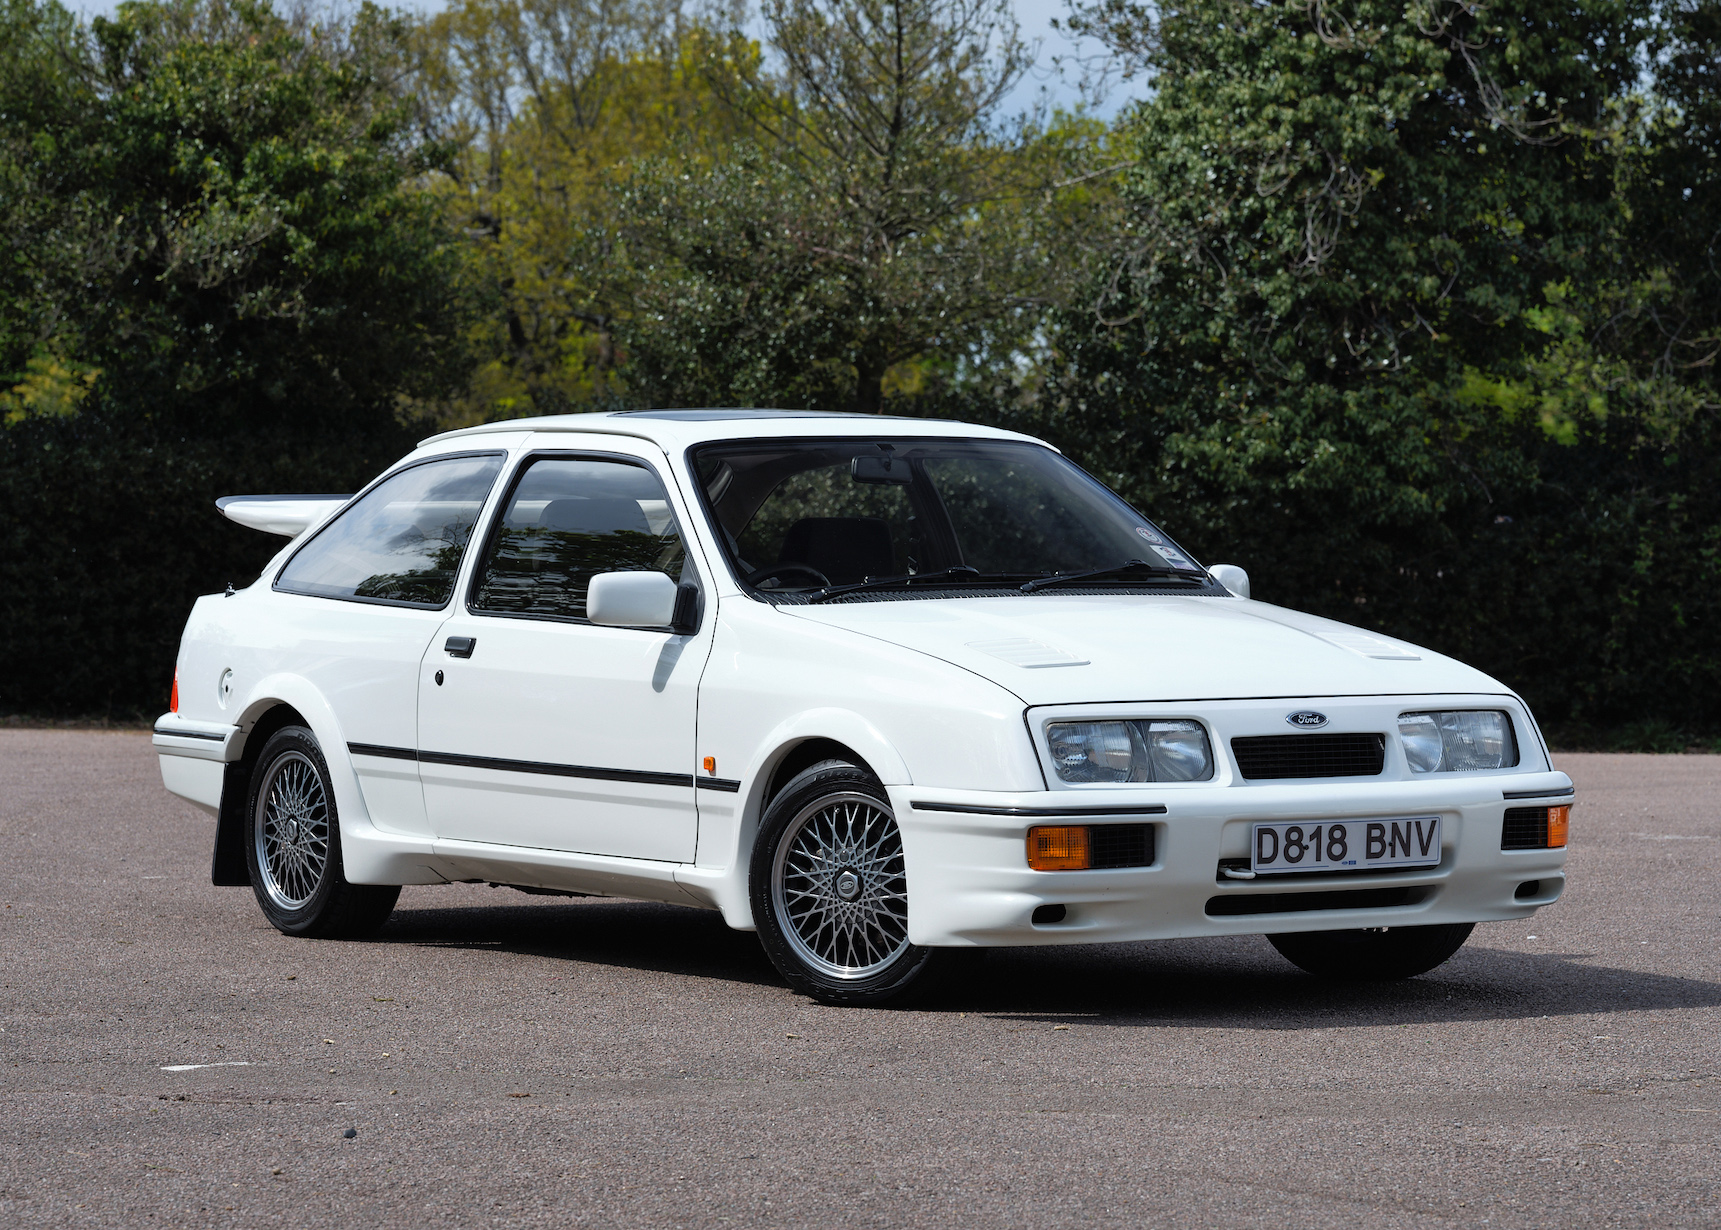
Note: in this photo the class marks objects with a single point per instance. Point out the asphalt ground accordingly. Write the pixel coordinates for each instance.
(515, 1061)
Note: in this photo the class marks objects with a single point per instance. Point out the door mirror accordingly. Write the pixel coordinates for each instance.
(1231, 577)
(631, 600)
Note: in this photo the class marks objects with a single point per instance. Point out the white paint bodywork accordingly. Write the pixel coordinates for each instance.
(944, 700)
(288, 516)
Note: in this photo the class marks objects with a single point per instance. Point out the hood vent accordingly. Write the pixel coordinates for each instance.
(1023, 652)
(1370, 646)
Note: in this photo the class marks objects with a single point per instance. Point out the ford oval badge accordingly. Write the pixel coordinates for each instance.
(1306, 719)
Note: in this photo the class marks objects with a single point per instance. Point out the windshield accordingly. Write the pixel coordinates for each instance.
(810, 515)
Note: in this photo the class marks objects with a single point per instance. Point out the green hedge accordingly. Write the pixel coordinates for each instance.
(1591, 589)
(107, 536)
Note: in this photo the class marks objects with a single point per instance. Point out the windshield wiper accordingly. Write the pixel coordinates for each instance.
(1132, 565)
(961, 572)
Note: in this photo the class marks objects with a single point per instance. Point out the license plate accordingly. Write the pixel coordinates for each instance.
(1345, 845)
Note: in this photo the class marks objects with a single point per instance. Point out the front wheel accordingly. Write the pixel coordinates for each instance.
(830, 889)
(1377, 954)
(293, 846)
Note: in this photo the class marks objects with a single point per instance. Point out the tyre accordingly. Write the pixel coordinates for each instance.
(1379, 954)
(293, 846)
(830, 892)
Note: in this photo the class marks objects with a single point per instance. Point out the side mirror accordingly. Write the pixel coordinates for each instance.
(633, 600)
(1231, 577)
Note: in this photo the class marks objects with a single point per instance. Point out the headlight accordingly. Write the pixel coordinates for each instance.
(1149, 750)
(1458, 741)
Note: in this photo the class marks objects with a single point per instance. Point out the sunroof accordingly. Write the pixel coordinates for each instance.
(709, 416)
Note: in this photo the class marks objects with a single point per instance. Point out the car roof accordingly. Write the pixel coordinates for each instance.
(675, 429)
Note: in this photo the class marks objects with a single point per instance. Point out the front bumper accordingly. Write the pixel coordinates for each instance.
(970, 885)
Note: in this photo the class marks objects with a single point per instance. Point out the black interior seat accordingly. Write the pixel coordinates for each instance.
(599, 515)
(845, 549)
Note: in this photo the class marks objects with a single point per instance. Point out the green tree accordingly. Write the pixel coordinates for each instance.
(1409, 316)
(225, 273)
(546, 98)
(226, 214)
(876, 211)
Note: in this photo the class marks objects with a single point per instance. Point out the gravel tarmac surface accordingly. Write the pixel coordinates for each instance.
(493, 1059)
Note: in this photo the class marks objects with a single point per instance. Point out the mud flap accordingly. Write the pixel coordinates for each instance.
(228, 868)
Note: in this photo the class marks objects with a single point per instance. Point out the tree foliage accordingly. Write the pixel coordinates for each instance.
(224, 273)
(673, 213)
(1411, 313)
(224, 214)
(1411, 308)
(548, 101)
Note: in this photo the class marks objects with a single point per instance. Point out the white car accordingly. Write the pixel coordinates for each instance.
(875, 687)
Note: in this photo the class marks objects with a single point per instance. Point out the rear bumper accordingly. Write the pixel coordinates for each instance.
(194, 757)
(970, 884)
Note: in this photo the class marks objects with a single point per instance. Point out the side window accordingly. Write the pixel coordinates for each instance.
(568, 520)
(402, 541)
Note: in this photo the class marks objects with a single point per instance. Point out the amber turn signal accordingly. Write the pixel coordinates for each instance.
(1058, 847)
(711, 764)
(1559, 819)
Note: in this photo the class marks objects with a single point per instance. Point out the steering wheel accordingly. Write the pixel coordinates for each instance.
(775, 571)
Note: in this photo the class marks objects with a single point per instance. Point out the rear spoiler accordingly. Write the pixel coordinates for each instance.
(287, 515)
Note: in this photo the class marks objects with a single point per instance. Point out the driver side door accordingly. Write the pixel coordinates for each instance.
(539, 729)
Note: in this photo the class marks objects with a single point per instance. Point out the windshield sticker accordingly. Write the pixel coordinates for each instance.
(1170, 554)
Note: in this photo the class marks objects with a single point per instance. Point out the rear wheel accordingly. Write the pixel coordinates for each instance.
(293, 846)
(1377, 954)
(830, 889)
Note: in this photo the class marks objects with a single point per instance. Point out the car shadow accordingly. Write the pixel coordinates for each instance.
(1233, 981)
(642, 935)
(1242, 983)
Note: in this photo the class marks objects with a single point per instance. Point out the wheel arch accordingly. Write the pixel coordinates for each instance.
(802, 755)
(721, 876)
(260, 720)
(277, 702)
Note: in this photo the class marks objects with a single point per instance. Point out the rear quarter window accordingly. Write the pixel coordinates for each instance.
(401, 542)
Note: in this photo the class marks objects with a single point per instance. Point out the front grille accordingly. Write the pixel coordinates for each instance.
(1526, 828)
(1277, 756)
(1120, 845)
(1339, 899)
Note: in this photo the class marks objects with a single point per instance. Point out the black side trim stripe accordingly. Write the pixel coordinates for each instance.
(641, 776)
(387, 753)
(1146, 809)
(557, 770)
(188, 734)
(1556, 792)
(717, 783)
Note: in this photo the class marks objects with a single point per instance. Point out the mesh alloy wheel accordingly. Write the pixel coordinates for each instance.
(838, 886)
(292, 830)
(293, 846)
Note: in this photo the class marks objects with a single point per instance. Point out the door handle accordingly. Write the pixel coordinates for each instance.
(460, 646)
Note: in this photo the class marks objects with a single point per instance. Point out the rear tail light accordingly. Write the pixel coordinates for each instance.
(173, 700)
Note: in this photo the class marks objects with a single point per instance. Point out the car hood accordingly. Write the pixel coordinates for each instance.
(1073, 649)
